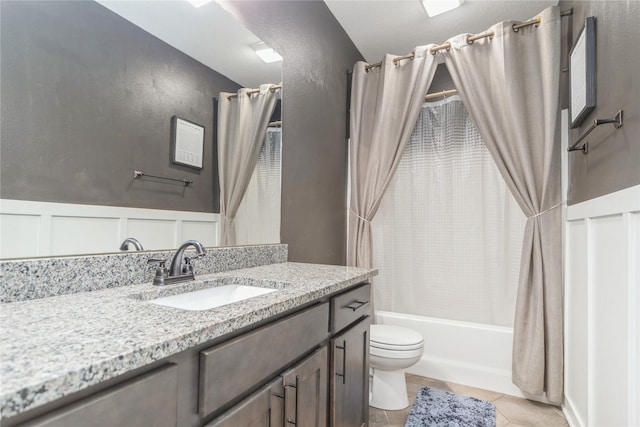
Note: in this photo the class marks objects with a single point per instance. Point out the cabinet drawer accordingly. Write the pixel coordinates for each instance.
(229, 369)
(147, 400)
(349, 307)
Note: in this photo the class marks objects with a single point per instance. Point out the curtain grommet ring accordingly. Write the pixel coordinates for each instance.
(411, 56)
(535, 22)
(469, 41)
(436, 49)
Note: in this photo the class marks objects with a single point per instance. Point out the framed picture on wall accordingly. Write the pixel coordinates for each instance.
(582, 69)
(187, 143)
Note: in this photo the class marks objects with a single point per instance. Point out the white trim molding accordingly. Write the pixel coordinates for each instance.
(602, 310)
(31, 228)
(627, 200)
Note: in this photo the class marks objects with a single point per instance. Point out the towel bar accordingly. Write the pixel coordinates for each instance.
(140, 174)
(617, 121)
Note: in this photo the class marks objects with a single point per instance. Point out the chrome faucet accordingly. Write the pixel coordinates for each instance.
(125, 245)
(177, 266)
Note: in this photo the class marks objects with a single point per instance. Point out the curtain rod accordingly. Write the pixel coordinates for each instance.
(273, 88)
(275, 124)
(470, 40)
(440, 94)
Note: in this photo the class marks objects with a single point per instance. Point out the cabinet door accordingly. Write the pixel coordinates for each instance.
(350, 376)
(305, 390)
(262, 409)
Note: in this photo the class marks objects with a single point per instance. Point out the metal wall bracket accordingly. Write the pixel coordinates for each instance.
(140, 174)
(617, 122)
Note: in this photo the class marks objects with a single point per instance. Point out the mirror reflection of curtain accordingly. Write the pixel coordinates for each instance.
(258, 217)
(448, 234)
(242, 123)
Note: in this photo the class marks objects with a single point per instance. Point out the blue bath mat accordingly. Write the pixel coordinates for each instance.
(435, 408)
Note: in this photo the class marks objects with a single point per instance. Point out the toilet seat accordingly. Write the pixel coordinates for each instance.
(389, 337)
(385, 346)
(395, 354)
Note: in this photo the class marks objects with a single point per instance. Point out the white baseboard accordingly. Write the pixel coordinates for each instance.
(478, 376)
(570, 414)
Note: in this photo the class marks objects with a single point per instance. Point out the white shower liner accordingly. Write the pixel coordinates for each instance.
(472, 354)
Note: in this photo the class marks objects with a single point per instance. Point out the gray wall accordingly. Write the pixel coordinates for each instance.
(317, 54)
(613, 161)
(441, 80)
(87, 98)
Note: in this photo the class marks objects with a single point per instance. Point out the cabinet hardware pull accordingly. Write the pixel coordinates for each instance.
(295, 420)
(344, 361)
(356, 305)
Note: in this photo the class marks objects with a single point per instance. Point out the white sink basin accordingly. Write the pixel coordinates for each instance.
(206, 299)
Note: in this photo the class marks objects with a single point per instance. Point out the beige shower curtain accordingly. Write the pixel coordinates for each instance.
(242, 124)
(510, 87)
(385, 103)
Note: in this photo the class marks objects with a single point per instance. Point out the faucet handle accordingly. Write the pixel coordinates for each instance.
(161, 272)
(187, 268)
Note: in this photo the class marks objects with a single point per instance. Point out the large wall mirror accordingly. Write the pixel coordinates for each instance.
(88, 92)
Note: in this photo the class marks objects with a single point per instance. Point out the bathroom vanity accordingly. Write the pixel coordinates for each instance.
(295, 356)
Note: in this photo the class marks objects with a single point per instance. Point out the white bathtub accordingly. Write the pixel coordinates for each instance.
(466, 353)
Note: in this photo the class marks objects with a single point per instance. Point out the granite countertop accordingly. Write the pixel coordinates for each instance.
(52, 347)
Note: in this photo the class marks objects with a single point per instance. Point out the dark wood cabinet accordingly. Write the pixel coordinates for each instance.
(349, 370)
(349, 307)
(265, 408)
(306, 391)
(145, 401)
(228, 370)
(350, 376)
(297, 397)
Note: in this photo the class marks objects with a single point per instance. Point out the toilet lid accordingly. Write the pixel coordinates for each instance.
(395, 337)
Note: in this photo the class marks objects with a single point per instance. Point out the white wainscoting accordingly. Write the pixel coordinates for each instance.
(30, 228)
(602, 311)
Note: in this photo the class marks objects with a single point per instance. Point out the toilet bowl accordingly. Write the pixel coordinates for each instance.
(392, 349)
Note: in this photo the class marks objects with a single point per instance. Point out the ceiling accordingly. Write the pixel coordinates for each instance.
(378, 27)
(209, 34)
(212, 36)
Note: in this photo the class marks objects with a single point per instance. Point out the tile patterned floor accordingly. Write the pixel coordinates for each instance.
(510, 411)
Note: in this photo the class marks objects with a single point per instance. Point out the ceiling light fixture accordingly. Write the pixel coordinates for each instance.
(436, 7)
(266, 53)
(198, 3)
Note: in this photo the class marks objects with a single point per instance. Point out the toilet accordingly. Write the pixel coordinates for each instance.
(392, 349)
